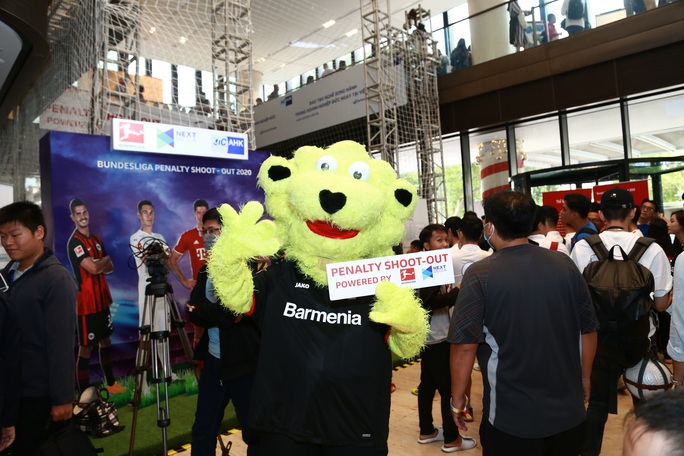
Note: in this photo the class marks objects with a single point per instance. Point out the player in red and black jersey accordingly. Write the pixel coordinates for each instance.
(90, 262)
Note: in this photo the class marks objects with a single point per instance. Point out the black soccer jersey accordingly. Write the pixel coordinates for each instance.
(324, 369)
(93, 290)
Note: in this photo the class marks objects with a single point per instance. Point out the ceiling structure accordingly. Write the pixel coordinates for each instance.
(289, 38)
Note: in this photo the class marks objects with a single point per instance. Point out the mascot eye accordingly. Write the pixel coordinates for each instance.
(326, 163)
(359, 171)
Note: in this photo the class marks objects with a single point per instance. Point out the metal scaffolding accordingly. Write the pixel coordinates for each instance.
(381, 110)
(231, 60)
(117, 93)
(419, 54)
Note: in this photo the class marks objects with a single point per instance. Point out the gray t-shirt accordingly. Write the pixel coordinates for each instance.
(527, 307)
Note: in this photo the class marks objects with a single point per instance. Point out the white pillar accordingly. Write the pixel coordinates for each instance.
(257, 77)
(489, 32)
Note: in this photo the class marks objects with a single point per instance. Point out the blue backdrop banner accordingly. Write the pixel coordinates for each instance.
(111, 183)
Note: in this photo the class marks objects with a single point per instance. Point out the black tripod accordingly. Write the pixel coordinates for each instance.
(160, 315)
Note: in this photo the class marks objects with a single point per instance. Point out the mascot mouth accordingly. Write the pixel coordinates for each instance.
(327, 229)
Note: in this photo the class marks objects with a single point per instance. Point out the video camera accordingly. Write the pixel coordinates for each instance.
(155, 256)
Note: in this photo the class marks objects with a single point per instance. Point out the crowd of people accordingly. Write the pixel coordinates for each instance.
(549, 376)
(544, 393)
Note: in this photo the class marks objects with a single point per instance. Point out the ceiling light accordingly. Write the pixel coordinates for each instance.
(261, 59)
(330, 23)
(282, 65)
(183, 40)
(351, 33)
(152, 30)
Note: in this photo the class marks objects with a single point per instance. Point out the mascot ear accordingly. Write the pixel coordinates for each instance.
(274, 174)
(403, 199)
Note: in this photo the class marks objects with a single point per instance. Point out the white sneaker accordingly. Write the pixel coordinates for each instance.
(476, 366)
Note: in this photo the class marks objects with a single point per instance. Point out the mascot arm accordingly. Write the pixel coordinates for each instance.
(242, 238)
(398, 307)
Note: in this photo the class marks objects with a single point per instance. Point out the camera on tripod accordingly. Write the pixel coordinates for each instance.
(155, 257)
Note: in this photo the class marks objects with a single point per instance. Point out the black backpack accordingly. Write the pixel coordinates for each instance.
(621, 292)
(575, 9)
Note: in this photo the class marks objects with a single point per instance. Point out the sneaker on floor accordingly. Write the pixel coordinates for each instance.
(414, 391)
(468, 443)
(472, 416)
(115, 389)
(476, 366)
(393, 388)
(437, 438)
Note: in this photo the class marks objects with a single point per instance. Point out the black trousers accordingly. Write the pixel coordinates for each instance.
(497, 443)
(436, 376)
(281, 445)
(32, 425)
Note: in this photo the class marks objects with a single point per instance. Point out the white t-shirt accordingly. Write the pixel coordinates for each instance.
(464, 257)
(545, 242)
(139, 240)
(675, 347)
(654, 258)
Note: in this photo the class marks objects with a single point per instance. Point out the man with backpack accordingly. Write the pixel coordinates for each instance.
(637, 268)
(575, 12)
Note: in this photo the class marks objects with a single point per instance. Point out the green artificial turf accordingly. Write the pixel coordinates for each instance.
(148, 436)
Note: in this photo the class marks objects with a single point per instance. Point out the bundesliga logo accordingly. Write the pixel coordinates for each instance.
(407, 274)
(131, 133)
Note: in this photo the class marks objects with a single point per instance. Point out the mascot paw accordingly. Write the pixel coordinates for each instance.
(399, 308)
(244, 234)
(243, 237)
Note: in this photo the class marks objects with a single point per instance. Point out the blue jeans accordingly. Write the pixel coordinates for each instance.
(212, 398)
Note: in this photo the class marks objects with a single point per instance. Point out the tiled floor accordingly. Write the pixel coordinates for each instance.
(404, 420)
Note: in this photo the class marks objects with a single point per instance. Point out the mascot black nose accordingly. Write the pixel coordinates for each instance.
(331, 202)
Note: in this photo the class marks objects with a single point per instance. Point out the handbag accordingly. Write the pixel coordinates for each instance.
(65, 439)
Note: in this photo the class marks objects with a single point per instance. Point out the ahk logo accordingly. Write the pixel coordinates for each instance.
(131, 133)
(226, 145)
(407, 274)
(427, 273)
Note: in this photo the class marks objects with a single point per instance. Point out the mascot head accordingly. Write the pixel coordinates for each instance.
(335, 204)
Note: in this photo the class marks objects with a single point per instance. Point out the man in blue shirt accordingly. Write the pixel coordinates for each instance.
(575, 217)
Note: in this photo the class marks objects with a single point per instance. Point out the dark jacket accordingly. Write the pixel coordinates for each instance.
(432, 298)
(44, 298)
(239, 336)
(10, 358)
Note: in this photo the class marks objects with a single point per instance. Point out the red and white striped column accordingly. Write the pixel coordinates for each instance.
(493, 160)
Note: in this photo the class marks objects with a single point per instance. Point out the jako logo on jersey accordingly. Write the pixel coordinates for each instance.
(301, 285)
(79, 250)
(333, 318)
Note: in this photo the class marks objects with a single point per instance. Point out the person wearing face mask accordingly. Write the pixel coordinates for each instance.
(524, 329)
(229, 349)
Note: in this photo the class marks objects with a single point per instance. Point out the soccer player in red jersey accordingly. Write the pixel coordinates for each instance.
(90, 263)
